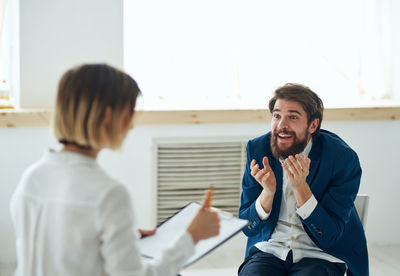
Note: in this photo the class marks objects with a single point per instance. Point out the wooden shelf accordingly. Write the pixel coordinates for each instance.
(42, 117)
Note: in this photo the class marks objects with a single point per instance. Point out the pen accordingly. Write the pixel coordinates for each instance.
(209, 197)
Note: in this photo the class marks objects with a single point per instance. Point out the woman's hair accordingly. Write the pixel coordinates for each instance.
(308, 99)
(84, 94)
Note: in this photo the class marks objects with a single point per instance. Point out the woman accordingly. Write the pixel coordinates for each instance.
(70, 217)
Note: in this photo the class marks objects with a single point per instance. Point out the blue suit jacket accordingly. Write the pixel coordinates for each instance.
(334, 179)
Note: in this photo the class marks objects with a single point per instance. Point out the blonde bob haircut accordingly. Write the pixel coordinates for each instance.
(84, 94)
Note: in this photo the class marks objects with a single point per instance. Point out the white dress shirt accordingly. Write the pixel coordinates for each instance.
(71, 218)
(289, 233)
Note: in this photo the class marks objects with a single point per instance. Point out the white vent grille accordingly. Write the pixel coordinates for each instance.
(186, 169)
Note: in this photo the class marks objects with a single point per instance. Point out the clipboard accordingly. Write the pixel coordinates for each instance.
(169, 231)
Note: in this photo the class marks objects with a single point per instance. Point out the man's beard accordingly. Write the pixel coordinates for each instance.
(297, 147)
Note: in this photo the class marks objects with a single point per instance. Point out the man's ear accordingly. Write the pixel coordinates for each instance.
(313, 126)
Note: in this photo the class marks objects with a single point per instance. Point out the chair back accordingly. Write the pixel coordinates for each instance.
(361, 203)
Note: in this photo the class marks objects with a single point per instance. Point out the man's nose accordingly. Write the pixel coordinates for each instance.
(283, 124)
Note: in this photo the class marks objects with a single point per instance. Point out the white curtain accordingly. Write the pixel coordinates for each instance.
(4, 87)
(2, 15)
(376, 77)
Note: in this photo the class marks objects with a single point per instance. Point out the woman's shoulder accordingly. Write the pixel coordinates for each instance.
(65, 177)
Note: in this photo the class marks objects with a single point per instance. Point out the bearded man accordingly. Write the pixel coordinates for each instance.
(300, 201)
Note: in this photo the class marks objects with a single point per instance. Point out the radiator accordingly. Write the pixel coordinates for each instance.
(186, 167)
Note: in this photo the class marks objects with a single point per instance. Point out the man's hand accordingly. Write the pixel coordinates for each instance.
(266, 178)
(297, 170)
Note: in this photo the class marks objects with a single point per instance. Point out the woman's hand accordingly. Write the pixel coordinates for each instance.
(206, 223)
(145, 233)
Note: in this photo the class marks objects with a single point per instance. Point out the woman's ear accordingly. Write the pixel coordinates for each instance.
(106, 127)
(107, 116)
(132, 120)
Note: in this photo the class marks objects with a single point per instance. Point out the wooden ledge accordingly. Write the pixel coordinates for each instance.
(42, 117)
(25, 117)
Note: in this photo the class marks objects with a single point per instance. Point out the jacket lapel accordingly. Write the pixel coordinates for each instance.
(277, 169)
(315, 156)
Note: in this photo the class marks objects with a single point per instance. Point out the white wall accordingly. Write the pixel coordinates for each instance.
(56, 35)
(376, 142)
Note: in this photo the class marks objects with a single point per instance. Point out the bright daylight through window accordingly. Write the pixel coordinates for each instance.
(7, 99)
(232, 54)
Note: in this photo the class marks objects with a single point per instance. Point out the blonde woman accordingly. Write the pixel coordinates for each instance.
(70, 217)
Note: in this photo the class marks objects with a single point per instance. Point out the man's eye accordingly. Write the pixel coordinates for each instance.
(293, 117)
(276, 116)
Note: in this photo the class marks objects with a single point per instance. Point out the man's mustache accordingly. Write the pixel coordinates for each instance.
(286, 132)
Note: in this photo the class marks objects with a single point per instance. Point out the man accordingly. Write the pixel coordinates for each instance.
(300, 201)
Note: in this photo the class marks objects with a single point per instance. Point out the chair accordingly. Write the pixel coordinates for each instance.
(361, 203)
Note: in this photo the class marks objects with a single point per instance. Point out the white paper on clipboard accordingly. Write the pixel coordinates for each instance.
(173, 228)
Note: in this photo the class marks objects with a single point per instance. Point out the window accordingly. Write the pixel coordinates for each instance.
(232, 54)
(7, 99)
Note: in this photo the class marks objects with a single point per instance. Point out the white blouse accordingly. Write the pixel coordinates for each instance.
(71, 218)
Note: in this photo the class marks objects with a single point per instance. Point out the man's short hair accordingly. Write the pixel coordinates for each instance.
(309, 100)
(84, 93)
